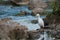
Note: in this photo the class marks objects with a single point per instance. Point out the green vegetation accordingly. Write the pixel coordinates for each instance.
(55, 7)
(1, 0)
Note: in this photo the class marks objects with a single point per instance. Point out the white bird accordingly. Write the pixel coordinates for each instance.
(40, 21)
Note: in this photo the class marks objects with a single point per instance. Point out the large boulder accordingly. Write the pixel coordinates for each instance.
(10, 30)
(37, 10)
(37, 4)
(18, 33)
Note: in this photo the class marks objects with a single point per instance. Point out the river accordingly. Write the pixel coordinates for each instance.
(7, 11)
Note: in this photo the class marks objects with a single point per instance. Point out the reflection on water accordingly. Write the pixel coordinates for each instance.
(9, 11)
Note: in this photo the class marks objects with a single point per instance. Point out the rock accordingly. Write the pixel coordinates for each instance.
(55, 32)
(35, 34)
(6, 19)
(9, 2)
(51, 18)
(37, 10)
(21, 2)
(23, 13)
(30, 6)
(56, 35)
(54, 21)
(19, 32)
(10, 29)
(34, 21)
(54, 25)
(37, 4)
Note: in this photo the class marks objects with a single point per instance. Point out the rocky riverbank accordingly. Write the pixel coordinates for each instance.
(54, 26)
(10, 30)
(35, 6)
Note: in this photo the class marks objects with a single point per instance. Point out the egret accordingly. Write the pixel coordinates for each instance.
(40, 21)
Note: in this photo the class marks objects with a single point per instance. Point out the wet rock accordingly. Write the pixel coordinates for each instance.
(30, 6)
(23, 13)
(56, 35)
(6, 19)
(34, 21)
(58, 27)
(34, 35)
(55, 32)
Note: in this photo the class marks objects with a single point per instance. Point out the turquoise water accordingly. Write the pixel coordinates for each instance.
(10, 10)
